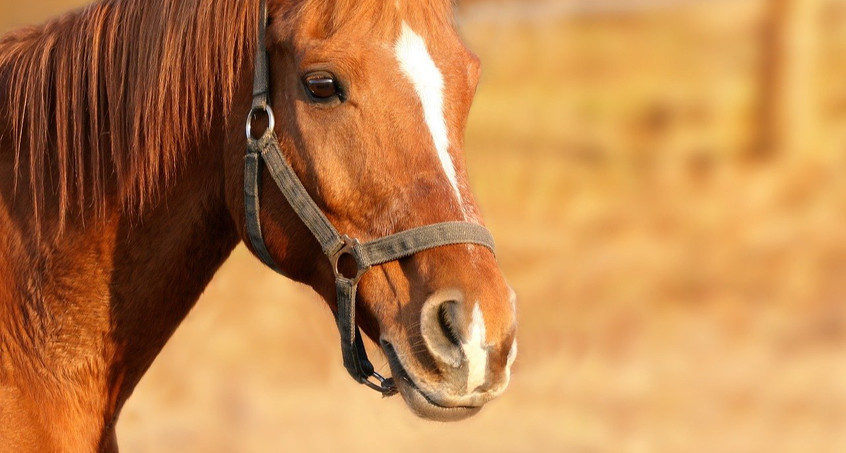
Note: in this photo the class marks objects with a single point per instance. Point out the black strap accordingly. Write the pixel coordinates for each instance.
(390, 248)
(252, 203)
(261, 74)
(253, 161)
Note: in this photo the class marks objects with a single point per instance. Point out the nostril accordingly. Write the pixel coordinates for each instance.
(442, 327)
(446, 320)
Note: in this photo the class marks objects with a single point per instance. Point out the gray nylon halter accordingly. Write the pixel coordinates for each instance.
(334, 245)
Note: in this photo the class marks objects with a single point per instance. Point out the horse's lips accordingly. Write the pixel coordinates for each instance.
(416, 400)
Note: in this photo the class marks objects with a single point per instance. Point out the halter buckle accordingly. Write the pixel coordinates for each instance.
(349, 248)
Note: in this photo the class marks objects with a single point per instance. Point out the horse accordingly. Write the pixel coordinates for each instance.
(123, 189)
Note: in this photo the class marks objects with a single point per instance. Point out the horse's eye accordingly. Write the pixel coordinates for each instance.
(321, 86)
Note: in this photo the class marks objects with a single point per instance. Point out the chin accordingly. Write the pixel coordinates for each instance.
(424, 408)
(427, 404)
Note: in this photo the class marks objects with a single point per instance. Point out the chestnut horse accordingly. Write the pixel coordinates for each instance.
(122, 192)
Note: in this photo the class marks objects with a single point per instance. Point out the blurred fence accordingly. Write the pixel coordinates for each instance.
(534, 11)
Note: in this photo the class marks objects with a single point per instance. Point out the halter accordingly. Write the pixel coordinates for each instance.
(334, 245)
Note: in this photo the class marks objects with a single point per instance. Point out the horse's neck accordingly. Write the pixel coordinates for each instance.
(83, 319)
(163, 263)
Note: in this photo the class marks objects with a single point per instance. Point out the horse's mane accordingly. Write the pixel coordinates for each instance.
(114, 93)
(111, 96)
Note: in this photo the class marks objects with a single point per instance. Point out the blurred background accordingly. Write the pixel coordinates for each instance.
(665, 179)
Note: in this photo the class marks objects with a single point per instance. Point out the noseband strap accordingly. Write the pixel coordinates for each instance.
(265, 151)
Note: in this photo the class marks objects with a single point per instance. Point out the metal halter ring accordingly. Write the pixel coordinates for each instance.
(349, 248)
(387, 387)
(270, 118)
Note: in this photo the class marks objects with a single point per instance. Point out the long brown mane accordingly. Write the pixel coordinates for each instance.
(109, 97)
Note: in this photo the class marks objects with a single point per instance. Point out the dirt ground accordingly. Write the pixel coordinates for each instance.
(681, 288)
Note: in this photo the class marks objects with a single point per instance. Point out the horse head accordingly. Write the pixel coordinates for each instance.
(371, 101)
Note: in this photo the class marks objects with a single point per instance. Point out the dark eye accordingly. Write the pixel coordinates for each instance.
(321, 86)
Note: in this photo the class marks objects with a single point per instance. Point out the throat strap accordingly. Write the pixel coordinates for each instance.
(264, 154)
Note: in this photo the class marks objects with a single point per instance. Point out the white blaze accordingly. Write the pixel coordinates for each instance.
(512, 355)
(418, 66)
(476, 351)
